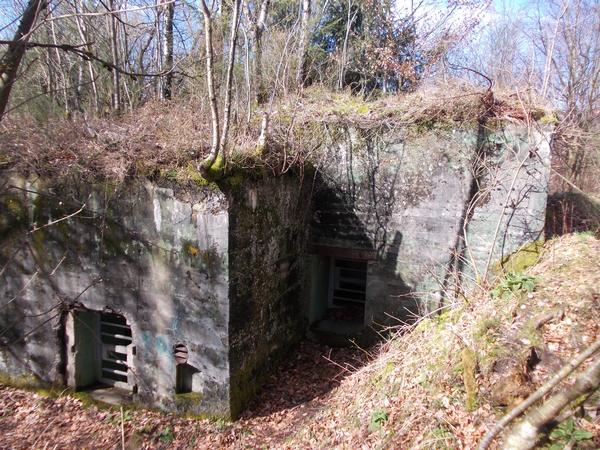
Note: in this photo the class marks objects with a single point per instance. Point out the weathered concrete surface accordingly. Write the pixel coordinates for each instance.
(268, 235)
(511, 206)
(138, 250)
(408, 195)
(227, 273)
(221, 273)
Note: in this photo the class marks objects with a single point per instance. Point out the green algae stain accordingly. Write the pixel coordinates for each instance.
(522, 259)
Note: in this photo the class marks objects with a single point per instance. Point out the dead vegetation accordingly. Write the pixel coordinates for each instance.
(453, 102)
(170, 138)
(292, 395)
(154, 136)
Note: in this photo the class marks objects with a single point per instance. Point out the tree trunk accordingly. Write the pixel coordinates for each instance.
(212, 96)
(525, 434)
(158, 63)
(257, 27)
(539, 394)
(60, 65)
(349, 22)
(235, 21)
(167, 88)
(81, 27)
(10, 61)
(261, 93)
(247, 76)
(78, 88)
(114, 48)
(302, 71)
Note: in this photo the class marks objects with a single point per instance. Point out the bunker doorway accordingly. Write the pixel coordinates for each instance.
(338, 297)
(348, 288)
(102, 352)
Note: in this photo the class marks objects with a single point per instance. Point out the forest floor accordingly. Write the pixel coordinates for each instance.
(291, 397)
(412, 394)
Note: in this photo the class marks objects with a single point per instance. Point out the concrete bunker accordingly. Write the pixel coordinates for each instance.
(185, 297)
(161, 293)
(419, 209)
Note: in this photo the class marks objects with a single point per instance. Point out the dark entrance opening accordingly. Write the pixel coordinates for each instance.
(348, 287)
(103, 349)
(338, 297)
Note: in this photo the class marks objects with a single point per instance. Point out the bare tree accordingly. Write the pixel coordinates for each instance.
(257, 22)
(569, 38)
(218, 140)
(114, 48)
(235, 21)
(344, 57)
(78, 7)
(11, 60)
(302, 70)
(167, 88)
(212, 95)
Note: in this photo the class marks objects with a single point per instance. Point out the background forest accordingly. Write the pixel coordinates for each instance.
(228, 63)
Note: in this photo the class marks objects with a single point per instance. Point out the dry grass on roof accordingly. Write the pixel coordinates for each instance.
(452, 101)
(154, 135)
(167, 136)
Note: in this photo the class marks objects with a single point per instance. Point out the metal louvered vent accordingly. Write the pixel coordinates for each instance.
(115, 335)
(349, 282)
(180, 352)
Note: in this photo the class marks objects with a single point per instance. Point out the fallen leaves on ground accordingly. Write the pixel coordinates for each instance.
(291, 396)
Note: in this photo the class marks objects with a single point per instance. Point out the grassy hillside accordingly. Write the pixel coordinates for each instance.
(444, 381)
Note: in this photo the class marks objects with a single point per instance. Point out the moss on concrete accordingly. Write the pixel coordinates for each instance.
(190, 172)
(189, 401)
(520, 260)
(25, 381)
(216, 170)
(15, 216)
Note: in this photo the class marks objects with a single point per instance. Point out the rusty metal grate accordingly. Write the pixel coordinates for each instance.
(115, 336)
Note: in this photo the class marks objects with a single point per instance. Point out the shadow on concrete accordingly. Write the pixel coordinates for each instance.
(351, 222)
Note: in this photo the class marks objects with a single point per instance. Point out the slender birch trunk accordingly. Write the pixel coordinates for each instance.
(212, 96)
(167, 88)
(83, 34)
(235, 21)
(257, 27)
(114, 48)
(247, 76)
(349, 22)
(60, 68)
(302, 70)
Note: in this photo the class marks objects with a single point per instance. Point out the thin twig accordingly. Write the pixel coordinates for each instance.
(53, 222)
(122, 429)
